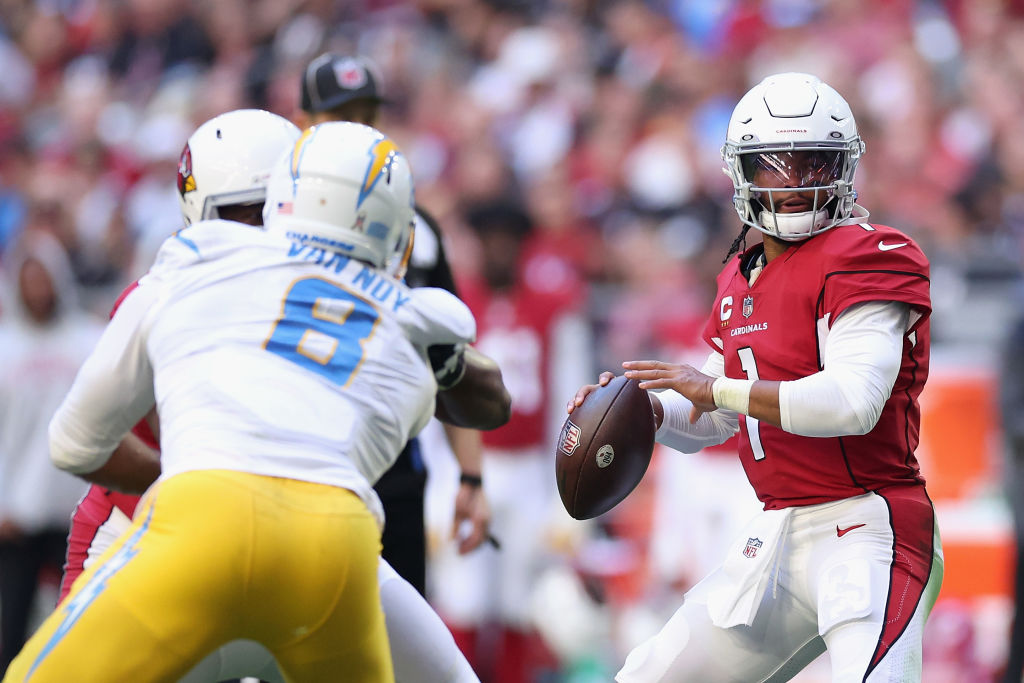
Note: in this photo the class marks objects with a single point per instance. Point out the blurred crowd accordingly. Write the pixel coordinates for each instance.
(603, 119)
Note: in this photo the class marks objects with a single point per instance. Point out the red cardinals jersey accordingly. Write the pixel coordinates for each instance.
(96, 508)
(516, 329)
(776, 330)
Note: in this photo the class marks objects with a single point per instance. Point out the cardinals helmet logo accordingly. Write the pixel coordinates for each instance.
(186, 181)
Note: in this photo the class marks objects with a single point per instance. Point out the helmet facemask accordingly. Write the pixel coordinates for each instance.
(215, 202)
(772, 181)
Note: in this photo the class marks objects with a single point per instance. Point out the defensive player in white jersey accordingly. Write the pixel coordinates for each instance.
(288, 369)
(223, 173)
(819, 341)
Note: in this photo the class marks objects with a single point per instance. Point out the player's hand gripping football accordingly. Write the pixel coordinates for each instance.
(602, 380)
(682, 378)
(586, 389)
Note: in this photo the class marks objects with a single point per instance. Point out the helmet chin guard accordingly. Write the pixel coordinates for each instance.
(793, 226)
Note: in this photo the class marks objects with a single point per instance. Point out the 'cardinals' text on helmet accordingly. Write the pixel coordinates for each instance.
(344, 187)
(228, 161)
(792, 131)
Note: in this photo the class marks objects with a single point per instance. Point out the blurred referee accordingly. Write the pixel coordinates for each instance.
(347, 88)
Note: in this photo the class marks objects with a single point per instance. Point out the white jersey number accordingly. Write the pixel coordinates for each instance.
(323, 328)
(749, 366)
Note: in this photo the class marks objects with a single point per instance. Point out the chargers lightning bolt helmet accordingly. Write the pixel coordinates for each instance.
(345, 187)
(791, 131)
(228, 160)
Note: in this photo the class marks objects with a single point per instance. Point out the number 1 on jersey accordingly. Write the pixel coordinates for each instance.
(323, 328)
(749, 366)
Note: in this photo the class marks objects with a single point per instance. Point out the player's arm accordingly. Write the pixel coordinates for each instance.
(478, 398)
(861, 361)
(472, 512)
(112, 391)
(473, 396)
(132, 467)
(680, 424)
(472, 393)
(686, 428)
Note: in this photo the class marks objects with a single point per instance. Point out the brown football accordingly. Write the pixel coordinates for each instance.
(604, 448)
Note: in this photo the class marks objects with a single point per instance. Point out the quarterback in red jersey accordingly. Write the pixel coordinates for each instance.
(819, 342)
(756, 329)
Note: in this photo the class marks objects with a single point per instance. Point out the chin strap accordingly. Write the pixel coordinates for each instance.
(858, 215)
(794, 226)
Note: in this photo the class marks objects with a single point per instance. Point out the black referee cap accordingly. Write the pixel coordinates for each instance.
(331, 80)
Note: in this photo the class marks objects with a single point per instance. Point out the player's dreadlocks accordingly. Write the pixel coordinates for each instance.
(738, 244)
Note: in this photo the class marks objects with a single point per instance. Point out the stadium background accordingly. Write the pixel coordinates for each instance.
(604, 119)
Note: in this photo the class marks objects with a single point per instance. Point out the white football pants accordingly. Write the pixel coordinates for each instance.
(858, 577)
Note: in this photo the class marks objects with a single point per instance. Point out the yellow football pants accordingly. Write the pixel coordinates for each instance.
(214, 556)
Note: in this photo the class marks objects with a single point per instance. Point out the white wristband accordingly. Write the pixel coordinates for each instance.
(732, 394)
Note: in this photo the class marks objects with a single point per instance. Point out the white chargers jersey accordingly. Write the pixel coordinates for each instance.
(263, 356)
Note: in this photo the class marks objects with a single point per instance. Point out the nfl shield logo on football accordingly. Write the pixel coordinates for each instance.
(570, 438)
(748, 306)
(752, 545)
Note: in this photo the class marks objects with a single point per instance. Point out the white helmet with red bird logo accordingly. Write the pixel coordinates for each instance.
(793, 131)
(228, 161)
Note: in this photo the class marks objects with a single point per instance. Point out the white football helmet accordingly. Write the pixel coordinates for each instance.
(228, 161)
(791, 131)
(345, 187)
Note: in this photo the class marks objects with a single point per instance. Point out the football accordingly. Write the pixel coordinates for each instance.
(604, 448)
